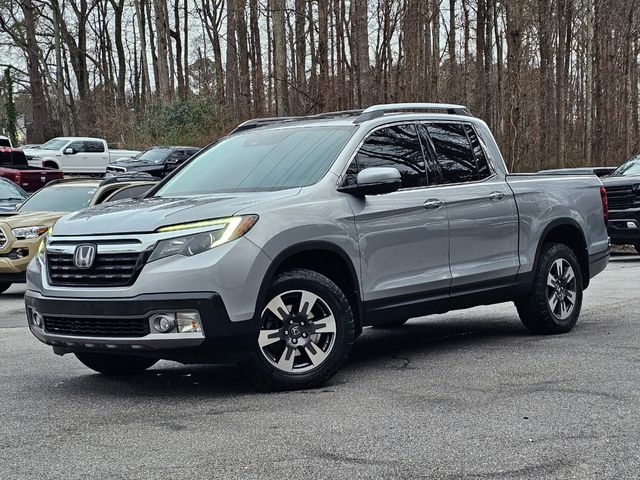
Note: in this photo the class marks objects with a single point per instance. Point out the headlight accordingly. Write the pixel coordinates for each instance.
(24, 233)
(222, 230)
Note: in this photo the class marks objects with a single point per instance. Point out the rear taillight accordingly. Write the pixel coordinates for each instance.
(18, 178)
(605, 205)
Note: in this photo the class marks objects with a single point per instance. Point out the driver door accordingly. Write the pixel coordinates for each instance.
(403, 236)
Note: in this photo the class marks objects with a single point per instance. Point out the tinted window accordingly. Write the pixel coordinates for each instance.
(78, 147)
(94, 147)
(154, 155)
(261, 160)
(453, 152)
(15, 158)
(482, 164)
(4, 142)
(68, 198)
(396, 147)
(130, 192)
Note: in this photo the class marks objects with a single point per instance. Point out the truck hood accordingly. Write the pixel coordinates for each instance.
(148, 214)
(37, 152)
(30, 219)
(620, 181)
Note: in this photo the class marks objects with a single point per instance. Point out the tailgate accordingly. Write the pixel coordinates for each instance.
(32, 180)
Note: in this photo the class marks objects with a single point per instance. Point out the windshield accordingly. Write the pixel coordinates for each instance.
(10, 193)
(631, 168)
(262, 160)
(68, 198)
(54, 144)
(154, 155)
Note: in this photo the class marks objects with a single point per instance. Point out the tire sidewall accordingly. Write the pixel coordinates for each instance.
(335, 299)
(553, 253)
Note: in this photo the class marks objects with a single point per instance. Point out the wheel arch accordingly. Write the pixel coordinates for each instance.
(49, 163)
(568, 232)
(325, 258)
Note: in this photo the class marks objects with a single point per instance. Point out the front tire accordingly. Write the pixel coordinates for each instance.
(554, 303)
(114, 364)
(4, 287)
(306, 331)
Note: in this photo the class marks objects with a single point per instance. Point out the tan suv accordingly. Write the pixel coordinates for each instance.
(21, 231)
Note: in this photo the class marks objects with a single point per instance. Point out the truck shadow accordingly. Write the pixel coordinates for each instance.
(373, 350)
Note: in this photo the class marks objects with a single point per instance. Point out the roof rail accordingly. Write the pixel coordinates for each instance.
(376, 111)
(260, 122)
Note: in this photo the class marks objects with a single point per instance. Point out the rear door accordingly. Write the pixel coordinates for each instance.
(403, 237)
(482, 211)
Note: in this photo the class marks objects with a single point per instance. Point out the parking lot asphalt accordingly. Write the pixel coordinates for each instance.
(469, 394)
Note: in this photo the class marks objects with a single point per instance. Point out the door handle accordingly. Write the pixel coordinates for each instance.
(433, 203)
(495, 196)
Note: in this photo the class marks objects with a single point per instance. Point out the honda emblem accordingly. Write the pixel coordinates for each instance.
(84, 256)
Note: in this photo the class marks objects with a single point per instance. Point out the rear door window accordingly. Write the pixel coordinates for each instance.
(94, 147)
(457, 152)
(396, 146)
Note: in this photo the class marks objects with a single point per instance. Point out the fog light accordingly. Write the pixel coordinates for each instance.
(163, 322)
(632, 225)
(188, 322)
(36, 318)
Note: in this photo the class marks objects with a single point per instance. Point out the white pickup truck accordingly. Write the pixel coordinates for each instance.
(76, 155)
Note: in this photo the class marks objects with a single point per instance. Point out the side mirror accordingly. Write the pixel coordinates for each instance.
(375, 181)
(69, 151)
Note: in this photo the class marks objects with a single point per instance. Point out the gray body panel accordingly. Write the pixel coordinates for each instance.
(396, 246)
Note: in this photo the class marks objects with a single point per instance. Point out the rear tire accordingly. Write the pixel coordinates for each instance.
(392, 324)
(4, 287)
(554, 303)
(306, 331)
(115, 364)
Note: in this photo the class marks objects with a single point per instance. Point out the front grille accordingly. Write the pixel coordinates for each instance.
(97, 327)
(3, 239)
(108, 270)
(622, 197)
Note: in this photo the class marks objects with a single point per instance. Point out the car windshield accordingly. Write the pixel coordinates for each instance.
(154, 155)
(631, 168)
(261, 160)
(11, 193)
(54, 144)
(60, 198)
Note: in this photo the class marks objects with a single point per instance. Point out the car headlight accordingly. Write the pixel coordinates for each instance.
(24, 233)
(222, 230)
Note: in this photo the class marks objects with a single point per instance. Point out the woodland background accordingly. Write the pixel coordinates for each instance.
(557, 80)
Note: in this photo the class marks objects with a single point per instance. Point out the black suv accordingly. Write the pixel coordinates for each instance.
(156, 161)
(623, 193)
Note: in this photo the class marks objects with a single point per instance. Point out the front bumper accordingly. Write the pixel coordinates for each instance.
(15, 257)
(220, 336)
(619, 230)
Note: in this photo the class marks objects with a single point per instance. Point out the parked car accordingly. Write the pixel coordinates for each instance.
(623, 194)
(11, 195)
(5, 141)
(21, 232)
(284, 239)
(598, 171)
(156, 161)
(78, 155)
(14, 166)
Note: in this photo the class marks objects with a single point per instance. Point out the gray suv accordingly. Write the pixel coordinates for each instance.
(284, 239)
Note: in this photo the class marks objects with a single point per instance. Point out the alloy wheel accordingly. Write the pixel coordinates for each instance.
(298, 331)
(561, 289)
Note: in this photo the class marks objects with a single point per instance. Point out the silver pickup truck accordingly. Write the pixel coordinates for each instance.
(283, 240)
